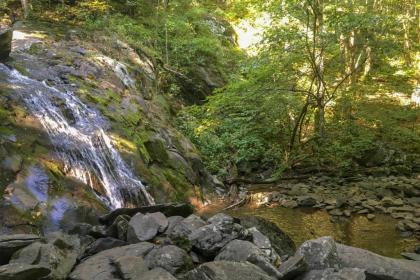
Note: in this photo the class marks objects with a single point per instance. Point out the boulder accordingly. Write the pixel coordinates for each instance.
(102, 265)
(119, 227)
(210, 239)
(281, 243)
(225, 270)
(320, 253)
(264, 244)
(6, 36)
(160, 219)
(331, 274)
(171, 258)
(172, 222)
(376, 266)
(102, 244)
(169, 209)
(142, 228)
(293, 267)
(241, 251)
(9, 244)
(306, 201)
(157, 274)
(187, 226)
(130, 267)
(19, 271)
(59, 255)
(411, 256)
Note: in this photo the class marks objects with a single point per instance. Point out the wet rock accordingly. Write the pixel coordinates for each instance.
(209, 239)
(18, 271)
(171, 258)
(320, 253)
(101, 266)
(142, 228)
(293, 267)
(336, 212)
(102, 244)
(370, 216)
(9, 244)
(225, 270)
(157, 274)
(241, 251)
(170, 209)
(130, 267)
(281, 242)
(6, 36)
(376, 266)
(331, 274)
(289, 204)
(306, 201)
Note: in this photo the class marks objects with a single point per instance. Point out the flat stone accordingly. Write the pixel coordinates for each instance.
(102, 244)
(160, 219)
(293, 267)
(131, 267)
(336, 212)
(370, 216)
(157, 274)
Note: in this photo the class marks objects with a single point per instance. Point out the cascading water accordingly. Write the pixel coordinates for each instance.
(78, 134)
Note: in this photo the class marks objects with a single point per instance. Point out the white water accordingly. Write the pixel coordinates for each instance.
(78, 134)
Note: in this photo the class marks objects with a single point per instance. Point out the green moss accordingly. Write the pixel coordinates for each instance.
(183, 190)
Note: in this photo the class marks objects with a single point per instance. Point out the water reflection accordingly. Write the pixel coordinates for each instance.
(379, 235)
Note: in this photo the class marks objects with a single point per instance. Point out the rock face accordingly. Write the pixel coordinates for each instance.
(5, 43)
(224, 270)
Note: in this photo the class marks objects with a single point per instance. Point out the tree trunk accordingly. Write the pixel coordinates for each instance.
(25, 8)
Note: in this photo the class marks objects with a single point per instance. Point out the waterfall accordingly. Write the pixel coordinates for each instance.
(79, 136)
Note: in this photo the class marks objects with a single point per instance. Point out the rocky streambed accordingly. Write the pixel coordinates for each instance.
(398, 197)
(171, 242)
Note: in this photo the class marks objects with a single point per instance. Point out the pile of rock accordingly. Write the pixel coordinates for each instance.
(143, 244)
(395, 196)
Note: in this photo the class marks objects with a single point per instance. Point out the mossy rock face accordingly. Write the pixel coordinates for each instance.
(5, 43)
(156, 148)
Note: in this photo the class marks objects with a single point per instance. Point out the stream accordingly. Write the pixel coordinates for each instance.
(379, 235)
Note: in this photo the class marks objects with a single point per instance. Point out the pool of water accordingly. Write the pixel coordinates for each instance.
(379, 235)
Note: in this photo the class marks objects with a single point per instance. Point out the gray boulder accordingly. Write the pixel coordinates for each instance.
(102, 244)
(264, 244)
(376, 266)
(210, 239)
(320, 253)
(171, 258)
(19, 271)
(9, 244)
(6, 36)
(102, 265)
(172, 222)
(281, 243)
(119, 227)
(187, 226)
(331, 274)
(160, 219)
(225, 270)
(142, 228)
(59, 255)
(293, 267)
(130, 267)
(157, 274)
(306, 201)
(241, 251)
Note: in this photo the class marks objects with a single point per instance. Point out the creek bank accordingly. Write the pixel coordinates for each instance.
(398, 197)
(6, 35)
(190, 248)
